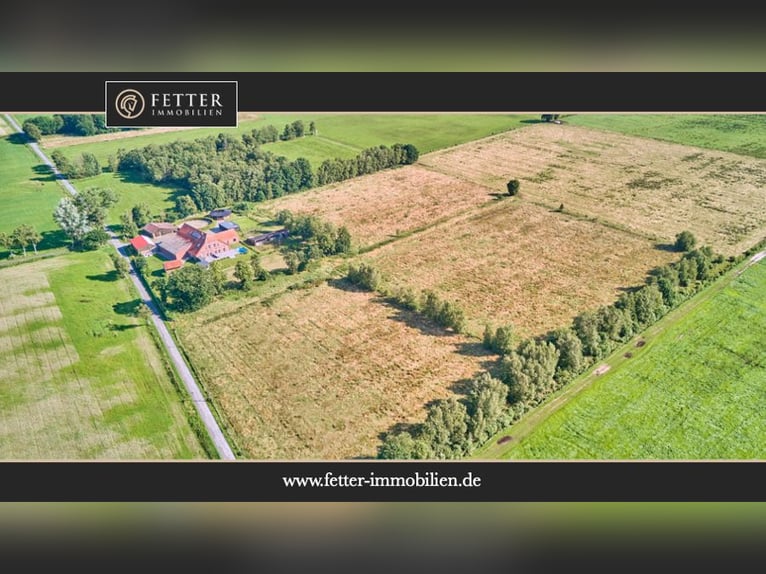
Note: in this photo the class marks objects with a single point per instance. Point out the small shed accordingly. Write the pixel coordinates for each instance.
(169, 266)
(227, 226)
(220, 214)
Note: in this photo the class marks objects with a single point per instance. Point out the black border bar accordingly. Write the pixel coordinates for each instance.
(243, 481)
(533, 92)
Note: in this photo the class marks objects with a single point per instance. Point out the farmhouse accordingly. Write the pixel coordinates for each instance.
(143, 245)
(188, 242)
(158, 229)
(271, 237)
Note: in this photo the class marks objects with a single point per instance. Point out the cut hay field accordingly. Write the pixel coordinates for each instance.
(740, 134)
(28, 192)
(380, 206)
(521, 263)
(651, 187)
(322, 372)
(696, 391)
(80, 376)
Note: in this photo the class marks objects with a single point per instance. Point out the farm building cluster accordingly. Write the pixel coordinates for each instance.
(188, 242)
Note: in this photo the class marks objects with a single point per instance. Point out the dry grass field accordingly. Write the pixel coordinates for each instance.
(521, 263)
(323, 371)
(377, 207)
(649, 186)
(78, 380)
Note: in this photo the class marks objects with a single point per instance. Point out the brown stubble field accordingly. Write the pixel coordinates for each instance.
(380, 206)
(650, 187)
(322, 372)
(521, 263)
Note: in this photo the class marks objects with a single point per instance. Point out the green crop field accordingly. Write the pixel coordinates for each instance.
(28, 192)
(742, 134)
(339, 135)
(80, 376)
(696, 390)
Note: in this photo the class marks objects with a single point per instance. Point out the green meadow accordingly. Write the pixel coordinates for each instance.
(28, 192)
(80, 374)
(696, 390)
(741, 134)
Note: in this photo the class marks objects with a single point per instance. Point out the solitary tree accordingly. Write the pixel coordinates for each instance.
(513, 187)
(129, 228)
(685, 241)
(71, 220)
(141, 214)
(120, 264)
(190, 288)
(243, 272)
(259, 273)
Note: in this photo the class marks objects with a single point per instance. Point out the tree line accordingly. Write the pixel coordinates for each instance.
(447, 314)
(530, 370)
(68, 124)
(226, 169)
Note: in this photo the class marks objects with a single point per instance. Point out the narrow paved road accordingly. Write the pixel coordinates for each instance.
(203, 409)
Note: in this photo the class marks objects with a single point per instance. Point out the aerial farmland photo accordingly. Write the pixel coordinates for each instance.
(336, 286)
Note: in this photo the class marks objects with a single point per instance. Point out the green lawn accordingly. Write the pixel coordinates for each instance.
(697, 390)
(742, 134)
(158, 198)
(28, 192)
(81, 375)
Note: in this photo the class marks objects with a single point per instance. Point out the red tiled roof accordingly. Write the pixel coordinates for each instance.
(141, 243)
(170, 265)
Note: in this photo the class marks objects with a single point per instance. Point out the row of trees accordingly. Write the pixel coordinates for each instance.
(368, 161)
(85, 166)
(223, 170)
(69, 124)
(530, 371)
(22, 237)
(447, 314)
(83, 216)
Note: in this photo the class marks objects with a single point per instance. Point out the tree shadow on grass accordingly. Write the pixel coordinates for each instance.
(534, 122)
(107, 277)
(19, 138)
(668, 247)
(44, 173)
(129, 308)
(121, 328)
(53, 239)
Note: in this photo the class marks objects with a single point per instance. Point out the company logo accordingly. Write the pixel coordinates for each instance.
(143, 104)
(130, 104)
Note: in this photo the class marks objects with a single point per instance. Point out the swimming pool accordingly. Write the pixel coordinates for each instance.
(242, 250)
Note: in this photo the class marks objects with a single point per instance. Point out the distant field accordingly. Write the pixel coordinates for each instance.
(80, 378)
(520, 263)
(340, 135)
(28, 193)
(428, 132)
(322, 371)
(377, 207)
(696, 391)
(741, 134)
(651, 187)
